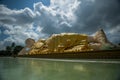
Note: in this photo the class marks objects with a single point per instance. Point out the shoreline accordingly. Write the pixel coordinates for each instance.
(106, 54)
(106, 61)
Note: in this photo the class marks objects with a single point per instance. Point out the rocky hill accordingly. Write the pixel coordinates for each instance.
(67, 42)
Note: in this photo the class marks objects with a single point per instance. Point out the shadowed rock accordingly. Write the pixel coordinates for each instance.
(100, 41)
(100, 37)
(29, 43)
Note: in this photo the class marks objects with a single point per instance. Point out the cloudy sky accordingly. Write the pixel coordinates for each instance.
(37, 19)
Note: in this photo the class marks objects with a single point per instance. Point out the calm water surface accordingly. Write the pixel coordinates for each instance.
(44, 69)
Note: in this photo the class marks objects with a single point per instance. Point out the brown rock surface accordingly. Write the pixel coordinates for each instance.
(60, 42)
(67, 42)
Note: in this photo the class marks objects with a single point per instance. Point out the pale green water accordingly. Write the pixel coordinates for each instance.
(39, 69)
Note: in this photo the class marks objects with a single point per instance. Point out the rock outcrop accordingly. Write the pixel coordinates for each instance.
(61, 42)
(29, 43)
(101, 39)
(67, 42)
(64, 42)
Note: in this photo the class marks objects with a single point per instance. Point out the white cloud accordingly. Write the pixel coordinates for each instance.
(42, 21)
(61, 16)
(2, 46)
(56, 17)
(115, 30)
(91, 0)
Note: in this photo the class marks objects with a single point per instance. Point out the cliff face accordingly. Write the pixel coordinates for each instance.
(100, 37)
(67, 42)
(59, 43)
(64, 41)
(100, 41)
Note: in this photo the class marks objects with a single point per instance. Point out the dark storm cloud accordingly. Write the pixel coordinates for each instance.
(95, 14)
(81, 16)
(15, 17)
(92, 15)
(54, 19)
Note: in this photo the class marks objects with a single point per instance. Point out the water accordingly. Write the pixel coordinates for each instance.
(45, 69)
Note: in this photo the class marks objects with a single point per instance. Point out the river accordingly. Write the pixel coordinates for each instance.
(58, 69)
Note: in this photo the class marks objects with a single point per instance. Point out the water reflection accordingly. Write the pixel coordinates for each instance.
(36, 69)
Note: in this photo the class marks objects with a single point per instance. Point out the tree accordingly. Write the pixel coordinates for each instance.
(17, 49)
(8, 48)
(119, 44)
(12, 48)
(13, 44)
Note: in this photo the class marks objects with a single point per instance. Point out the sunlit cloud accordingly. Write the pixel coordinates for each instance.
(81, 16)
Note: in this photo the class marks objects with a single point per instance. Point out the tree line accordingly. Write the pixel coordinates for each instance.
(11, 50)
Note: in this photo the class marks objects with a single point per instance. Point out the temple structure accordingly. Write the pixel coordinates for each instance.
(67, 42)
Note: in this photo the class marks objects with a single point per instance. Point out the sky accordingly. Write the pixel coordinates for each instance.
(38, 19)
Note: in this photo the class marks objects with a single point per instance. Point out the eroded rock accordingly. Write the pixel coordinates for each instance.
(67, 42)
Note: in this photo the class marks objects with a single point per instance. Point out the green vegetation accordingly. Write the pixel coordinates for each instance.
(107, 47)
(11, 50)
